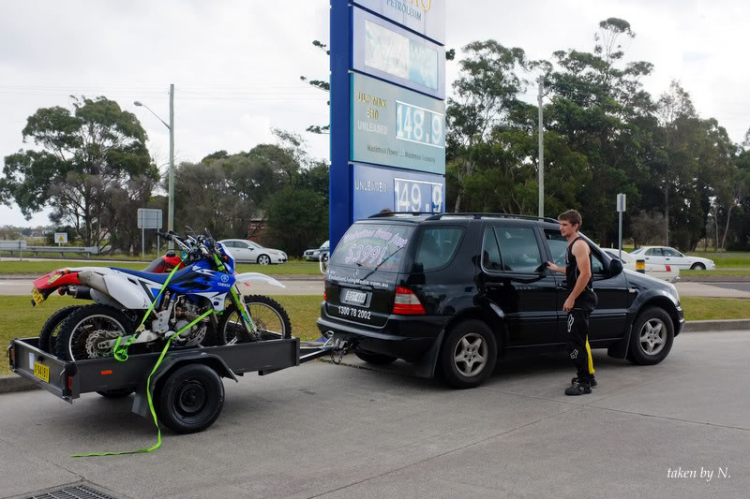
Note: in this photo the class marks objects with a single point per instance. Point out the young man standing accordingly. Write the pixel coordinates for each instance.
(580, 303)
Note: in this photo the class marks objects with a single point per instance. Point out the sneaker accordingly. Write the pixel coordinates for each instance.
(578, 388)
(592, 382)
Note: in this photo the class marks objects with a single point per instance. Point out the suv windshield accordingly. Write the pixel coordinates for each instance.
(370, 246)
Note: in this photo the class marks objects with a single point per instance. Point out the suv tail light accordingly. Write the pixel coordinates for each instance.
(407, 303)
(325, 295)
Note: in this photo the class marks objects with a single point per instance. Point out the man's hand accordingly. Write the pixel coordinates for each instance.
(569, 304)
(554, 267)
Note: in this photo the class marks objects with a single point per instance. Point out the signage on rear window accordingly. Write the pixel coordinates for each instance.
(372, 247)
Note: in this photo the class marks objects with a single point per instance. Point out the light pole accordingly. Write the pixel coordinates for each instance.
(170, 216)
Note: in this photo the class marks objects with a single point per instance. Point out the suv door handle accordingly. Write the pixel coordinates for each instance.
(562, 284)
(491, 285)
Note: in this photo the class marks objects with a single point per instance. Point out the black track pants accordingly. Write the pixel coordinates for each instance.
(578, 343)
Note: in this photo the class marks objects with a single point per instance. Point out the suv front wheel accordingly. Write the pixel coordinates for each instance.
(652, 337)
(469, 354)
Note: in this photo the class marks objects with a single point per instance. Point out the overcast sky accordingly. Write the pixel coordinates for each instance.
(236, 64)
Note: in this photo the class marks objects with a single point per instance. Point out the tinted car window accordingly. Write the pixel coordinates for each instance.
(490, 251)
(654, 252)
(519, 249)
(558, 245)
(437, 246)
(371, 246)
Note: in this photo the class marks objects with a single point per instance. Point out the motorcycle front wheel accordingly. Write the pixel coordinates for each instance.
(271, 321)
(82, 333)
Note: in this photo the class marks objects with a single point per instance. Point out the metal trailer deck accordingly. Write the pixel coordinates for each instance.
(110, 378)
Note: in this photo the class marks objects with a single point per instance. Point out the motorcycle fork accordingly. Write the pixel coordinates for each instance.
(244, 312)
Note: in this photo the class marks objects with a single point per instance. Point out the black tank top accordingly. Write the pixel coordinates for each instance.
(587, 299)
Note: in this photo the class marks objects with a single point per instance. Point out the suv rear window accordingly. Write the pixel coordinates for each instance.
(437, 246)
(370, 245)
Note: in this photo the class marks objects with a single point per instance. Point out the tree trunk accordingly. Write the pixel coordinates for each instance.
(726, 229)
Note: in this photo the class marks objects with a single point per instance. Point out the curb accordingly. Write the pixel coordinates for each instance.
(10, 383)
(718, 326)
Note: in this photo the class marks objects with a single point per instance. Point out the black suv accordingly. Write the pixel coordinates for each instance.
(451, 293)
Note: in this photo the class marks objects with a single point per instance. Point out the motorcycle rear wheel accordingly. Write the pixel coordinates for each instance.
(83, 330)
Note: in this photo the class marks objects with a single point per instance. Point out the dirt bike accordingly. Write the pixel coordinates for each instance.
(201, 302)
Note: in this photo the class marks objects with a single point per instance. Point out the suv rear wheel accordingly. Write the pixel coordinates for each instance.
(469, 354)
(652, 337)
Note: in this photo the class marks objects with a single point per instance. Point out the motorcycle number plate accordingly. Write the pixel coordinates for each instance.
(41, 371)
(37, 296)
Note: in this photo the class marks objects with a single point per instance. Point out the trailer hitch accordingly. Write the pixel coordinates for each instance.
(339, 348)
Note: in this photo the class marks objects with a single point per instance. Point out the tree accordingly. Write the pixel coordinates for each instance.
(297, 217)
(487, 90)
(82, 156)
(320, 85)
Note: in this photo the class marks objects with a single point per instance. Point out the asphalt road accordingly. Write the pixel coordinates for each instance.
(329, 431)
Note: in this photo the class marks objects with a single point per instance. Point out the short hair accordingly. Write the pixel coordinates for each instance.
(571, 216)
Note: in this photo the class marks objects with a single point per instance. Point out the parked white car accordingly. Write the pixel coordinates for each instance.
(250, 252)
(313, 255)
(670, 256)
(667, 272)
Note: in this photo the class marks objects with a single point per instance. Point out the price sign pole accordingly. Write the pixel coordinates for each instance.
(620, 210)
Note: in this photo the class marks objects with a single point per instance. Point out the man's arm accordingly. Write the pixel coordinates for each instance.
(581, 251)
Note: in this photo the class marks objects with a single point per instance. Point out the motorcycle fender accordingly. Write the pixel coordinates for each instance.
(131, 295)
(257, 277)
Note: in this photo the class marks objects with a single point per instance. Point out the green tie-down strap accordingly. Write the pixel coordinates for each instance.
(120, 352)
(148, 394)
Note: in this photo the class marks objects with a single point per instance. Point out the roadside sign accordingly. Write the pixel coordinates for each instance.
(61, 237)
(149, 219)
(621, 203)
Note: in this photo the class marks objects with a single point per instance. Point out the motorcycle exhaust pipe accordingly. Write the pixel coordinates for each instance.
(82, 293)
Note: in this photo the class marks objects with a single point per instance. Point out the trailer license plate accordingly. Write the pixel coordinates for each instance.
(37, 296)
(41, 371)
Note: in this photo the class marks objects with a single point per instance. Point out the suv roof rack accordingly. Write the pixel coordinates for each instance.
(478, 216)
(402, 213)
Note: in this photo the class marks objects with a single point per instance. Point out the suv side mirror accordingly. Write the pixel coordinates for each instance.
(615, 267)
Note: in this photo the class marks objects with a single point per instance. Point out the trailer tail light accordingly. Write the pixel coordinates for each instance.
(105, 373)
(70, 383)
(407, 303)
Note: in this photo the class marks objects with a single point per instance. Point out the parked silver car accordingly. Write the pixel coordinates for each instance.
(250, 252)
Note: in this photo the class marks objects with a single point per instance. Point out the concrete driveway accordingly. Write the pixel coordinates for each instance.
(322, 430)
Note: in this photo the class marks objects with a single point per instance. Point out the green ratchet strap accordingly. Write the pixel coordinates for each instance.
(121, 351)
(148, 393)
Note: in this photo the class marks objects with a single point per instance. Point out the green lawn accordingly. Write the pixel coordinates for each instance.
(39, 268)
(741, 272)
(19, 319)
(697, 308)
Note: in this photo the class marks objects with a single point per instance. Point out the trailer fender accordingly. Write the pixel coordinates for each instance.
(140, 403)
(248, 277)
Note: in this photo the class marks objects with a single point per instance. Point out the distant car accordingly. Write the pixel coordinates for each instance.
(670, 256)
(313, 255)
(250, 252)
(669, 273)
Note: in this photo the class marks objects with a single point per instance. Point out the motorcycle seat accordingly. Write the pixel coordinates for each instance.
(153, 277)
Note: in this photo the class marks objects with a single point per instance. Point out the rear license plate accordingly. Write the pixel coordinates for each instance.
(37, 296)
(41, 371)
(354, 297)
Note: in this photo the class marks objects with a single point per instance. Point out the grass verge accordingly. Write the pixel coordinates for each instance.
(39, 268)
(703, 309)
(19, 319)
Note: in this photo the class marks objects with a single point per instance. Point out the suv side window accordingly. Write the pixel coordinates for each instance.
(437, 246)
(558, 245)
(490, 252)
(519, 249)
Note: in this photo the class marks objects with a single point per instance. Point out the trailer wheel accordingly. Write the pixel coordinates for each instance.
(190, 398)
(116, 393)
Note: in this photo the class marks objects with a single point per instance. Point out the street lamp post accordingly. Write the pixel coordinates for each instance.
(170, 126)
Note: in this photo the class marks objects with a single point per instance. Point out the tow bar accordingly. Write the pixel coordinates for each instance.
(335, 347)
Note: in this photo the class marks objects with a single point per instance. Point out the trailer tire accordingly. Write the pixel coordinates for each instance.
(190, 399)
(117, 393)
(48, 334)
